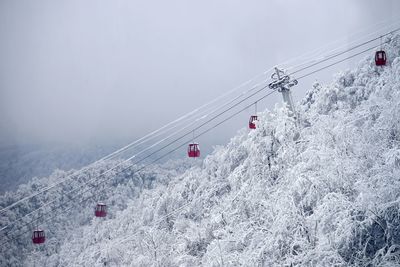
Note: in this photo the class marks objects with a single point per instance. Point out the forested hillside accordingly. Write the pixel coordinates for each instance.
(19, 164)
(324, 191)
(71, 204)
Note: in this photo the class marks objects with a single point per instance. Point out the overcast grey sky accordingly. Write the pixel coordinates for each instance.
(114, 70)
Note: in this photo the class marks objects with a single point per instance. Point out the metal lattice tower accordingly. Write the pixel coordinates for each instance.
(283, 83)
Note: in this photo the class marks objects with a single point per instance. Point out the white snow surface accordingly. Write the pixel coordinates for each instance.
(327, 198)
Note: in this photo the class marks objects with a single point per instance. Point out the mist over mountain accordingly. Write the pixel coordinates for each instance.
(20, 163)
(320, 191)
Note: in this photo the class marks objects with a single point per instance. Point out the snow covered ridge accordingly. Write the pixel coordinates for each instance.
(331, 198)
(69, 208)
(328, 198)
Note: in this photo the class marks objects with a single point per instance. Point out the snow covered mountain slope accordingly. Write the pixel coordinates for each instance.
(328, 198)
(71, 205)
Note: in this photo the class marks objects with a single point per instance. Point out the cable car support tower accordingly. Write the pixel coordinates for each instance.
(282, 82)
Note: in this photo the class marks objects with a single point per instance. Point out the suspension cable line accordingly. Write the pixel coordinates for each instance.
(174, 141)
(140, 169)
(187, 204)
(343, 52)
(335, 63)
(308, 74)
(140, 152)
(142, 159)
(111, 155)
(137, 142)
(343, 46)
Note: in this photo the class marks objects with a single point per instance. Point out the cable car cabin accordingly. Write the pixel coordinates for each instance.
(380, 58)
(100, 210)
(38, 237)
(252, 124)
(193, 150)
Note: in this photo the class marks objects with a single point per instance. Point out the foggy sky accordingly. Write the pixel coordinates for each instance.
(114, 70)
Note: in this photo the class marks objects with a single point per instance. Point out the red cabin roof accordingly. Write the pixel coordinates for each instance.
(380, 58)
(100, 210)
(252, 120)
(38, 237)
(194, 150)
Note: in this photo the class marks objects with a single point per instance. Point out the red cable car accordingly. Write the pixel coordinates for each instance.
(380, 58)
(100, 210)
(38, 237)
(193, 150)
(253, 119)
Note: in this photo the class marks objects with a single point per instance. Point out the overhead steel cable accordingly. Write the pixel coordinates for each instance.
(144, 158)
(168, 124)
(201, 117)
(335, 63)
(319, 52)
(343, 52)
(136, 171)
(208, 104)
(174, 141)
(195, 129)
(141, 160)
(139, 141)
(187, 204)
(140, 152)
(259, 91)
(31, 224)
